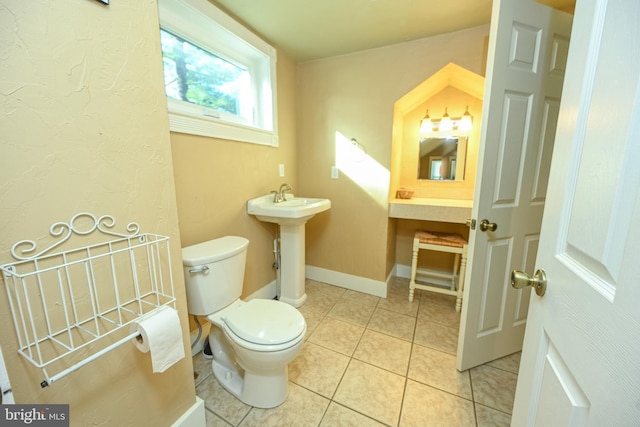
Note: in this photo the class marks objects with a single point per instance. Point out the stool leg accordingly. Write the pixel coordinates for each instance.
(414, 267)
(463, 269)
(456, 263)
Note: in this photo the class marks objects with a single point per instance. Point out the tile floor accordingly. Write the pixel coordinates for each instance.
(370, 361)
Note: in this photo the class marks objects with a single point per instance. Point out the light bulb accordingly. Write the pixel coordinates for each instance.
(426, 126)
(445, 123)
(466, 123)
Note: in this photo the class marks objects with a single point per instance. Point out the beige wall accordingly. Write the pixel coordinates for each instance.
(84, 128)
(354, 95)
(215, 179)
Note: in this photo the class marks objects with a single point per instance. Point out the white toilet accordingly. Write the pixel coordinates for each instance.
(253, 341)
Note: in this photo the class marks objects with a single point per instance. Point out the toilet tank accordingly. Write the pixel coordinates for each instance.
(214, 273)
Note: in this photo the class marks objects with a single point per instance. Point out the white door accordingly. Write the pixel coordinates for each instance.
(527, 56)
(581, 358)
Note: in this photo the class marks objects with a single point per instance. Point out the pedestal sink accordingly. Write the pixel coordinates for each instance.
(291, 215)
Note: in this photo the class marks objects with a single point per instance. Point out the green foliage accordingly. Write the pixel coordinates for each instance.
(194, 75)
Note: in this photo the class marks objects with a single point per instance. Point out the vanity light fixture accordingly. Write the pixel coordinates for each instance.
(466, 123)
(426, 125)
(446, 124)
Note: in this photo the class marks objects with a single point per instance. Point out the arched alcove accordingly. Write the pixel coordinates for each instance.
(453, 88)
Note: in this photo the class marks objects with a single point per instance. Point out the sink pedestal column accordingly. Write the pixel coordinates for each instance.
(291, 215)
(292, 264)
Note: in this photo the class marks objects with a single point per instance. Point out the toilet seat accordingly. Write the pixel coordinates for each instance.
(264, 325)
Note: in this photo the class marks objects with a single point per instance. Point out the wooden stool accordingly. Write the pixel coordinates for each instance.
(441, 242)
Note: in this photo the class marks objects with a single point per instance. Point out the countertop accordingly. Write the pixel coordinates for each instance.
(443, 210)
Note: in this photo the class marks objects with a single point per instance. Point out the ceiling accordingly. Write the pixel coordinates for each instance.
(313, 29)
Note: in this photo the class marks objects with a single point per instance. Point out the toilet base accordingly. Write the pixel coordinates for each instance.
(261, 391)
(230, 379)
(250, 388)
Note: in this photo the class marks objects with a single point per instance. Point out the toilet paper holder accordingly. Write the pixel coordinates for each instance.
(85, 297)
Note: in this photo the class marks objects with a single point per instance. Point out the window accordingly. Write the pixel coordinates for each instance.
(219, 77)
(194, 75)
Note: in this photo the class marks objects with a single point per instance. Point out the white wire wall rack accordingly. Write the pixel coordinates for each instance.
(73, 306)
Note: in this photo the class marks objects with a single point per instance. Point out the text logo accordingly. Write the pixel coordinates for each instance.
(34, 415)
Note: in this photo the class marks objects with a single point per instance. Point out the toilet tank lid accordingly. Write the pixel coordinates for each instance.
(213, 250)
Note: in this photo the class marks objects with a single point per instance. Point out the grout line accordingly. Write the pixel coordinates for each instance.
(323, 315)
(473, 396)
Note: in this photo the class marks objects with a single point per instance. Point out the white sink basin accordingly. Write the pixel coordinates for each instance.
(292, 211)
(291, 216)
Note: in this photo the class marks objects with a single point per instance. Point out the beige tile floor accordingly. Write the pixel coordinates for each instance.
(369, 361)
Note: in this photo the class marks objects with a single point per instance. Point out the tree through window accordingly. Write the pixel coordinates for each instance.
(220, 78)
(194, 75)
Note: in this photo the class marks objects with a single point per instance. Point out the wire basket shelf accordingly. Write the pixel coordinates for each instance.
(73, 306)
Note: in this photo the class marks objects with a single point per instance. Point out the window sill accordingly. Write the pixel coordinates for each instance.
(213, 128)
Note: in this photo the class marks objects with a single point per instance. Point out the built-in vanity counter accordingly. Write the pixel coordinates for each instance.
(441, 210)
(435, 144)
(434, 157)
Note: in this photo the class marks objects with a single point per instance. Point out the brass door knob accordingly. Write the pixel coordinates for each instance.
(486, 225)
(520, 279)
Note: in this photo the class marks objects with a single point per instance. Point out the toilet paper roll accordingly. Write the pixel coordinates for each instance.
(161, 335)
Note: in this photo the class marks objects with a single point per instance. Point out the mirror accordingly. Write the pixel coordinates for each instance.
(442, 159)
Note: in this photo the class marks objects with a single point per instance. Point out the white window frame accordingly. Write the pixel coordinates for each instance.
(203, 24)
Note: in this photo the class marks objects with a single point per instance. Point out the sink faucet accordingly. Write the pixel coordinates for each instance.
(278, 196)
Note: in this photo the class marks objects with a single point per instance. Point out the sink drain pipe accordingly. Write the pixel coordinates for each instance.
(276, 262)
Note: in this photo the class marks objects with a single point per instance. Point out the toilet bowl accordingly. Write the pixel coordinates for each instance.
(264, 336)
(252, 341)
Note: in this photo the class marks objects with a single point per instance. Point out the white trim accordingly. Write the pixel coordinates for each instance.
(192, 417)
(348, 281)
(208, 126)
(404, 271)
(199, 21)
(268, 291)
(335, 278)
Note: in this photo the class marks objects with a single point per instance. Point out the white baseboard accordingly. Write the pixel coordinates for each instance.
(193, 417)
(355, 283)
(404, 271)
(268, 291)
